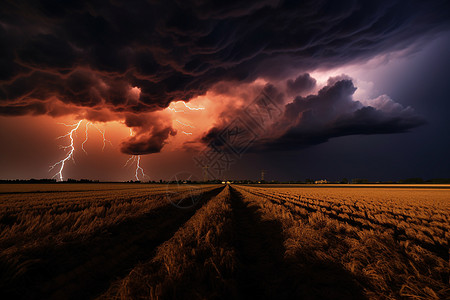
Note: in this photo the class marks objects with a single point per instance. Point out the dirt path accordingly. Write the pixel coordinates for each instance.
(85, 269)
(259, 246)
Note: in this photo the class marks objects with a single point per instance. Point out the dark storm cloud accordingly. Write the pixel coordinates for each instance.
(333, 113)
(19, 109)
(91, 53)
(314, 119)
(302, 84)
(247, 92)
(150, 142)
(88, 57)
(150, 133)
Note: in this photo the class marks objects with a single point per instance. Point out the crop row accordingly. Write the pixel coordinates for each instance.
(61, 217)
(318, 241)
(196, 262)
(407, 220)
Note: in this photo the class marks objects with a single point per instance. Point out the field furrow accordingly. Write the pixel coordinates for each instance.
(260, 251)
(376, 259)
(182, 241)
(269, 271)
(433, 237)
(198, 262)
(85, 266)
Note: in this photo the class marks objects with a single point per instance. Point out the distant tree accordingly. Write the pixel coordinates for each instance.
(360, 180)
(412, 181)
(439, 180)
(344, 181)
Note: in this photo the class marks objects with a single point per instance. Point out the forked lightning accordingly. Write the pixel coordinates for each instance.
(71, 146)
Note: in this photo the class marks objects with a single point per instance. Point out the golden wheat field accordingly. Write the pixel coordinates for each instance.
(143, 241)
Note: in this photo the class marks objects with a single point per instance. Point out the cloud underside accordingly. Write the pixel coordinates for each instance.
(316, 118)
(365, 121)
(105, 59)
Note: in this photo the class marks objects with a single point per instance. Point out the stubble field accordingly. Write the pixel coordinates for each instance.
(128, 241)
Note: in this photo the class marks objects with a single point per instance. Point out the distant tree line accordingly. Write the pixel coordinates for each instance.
(70, 180)
(244, 181)
(47, 180)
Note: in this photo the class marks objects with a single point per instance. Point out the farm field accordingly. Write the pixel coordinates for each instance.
(70, 240)
(127, 241)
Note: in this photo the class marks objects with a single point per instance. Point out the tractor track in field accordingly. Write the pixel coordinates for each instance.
(259, 247)
(265, 273)
(86, 268)
(355, 221)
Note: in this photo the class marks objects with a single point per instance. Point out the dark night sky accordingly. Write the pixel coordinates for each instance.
(361, 87)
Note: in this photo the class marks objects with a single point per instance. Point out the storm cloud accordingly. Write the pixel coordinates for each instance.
(333, 112)
(90, 54)
(105, 59)
(149, 133)
(302, 84)
(316, 118)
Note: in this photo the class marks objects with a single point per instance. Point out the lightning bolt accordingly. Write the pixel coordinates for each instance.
(138, 168)
(186, 125)
(103, 135)
(102, 132)
(71, 148)
(186, 106)
(184, 111)
(174, 110)
(86, 137)
(136, 159)
(131, 159)
(192, 108)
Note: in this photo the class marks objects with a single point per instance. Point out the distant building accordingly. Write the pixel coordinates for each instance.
(321, 181)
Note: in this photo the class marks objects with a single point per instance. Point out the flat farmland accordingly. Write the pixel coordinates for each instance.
(393, 240)
(71, 240)
(140, 241)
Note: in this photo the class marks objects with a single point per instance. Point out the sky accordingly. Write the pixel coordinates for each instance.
(148, 90)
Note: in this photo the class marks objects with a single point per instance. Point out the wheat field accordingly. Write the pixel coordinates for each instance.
(138, 241)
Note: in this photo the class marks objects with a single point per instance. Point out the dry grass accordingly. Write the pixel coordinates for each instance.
(246, 241)
(37, 219)
(419, 215)
(68, 213)
(337, 228)
(198, 262)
